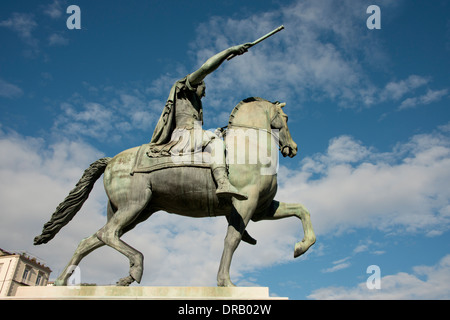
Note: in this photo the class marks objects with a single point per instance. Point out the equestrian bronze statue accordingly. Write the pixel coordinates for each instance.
(188, 171)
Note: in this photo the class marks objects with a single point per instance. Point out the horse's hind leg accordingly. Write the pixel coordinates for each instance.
(85, 247)
(132, 204)
(110, 234)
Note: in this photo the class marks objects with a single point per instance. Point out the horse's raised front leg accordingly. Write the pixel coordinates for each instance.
(240, 215)
(280, 210)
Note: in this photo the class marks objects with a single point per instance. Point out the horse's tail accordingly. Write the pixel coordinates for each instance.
(67, 209)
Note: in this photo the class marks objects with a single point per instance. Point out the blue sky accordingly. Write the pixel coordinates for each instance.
(368, 109)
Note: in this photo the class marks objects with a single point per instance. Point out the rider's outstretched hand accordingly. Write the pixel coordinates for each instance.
(241, 49)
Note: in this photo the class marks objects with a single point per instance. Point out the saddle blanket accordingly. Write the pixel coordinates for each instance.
(145, 164)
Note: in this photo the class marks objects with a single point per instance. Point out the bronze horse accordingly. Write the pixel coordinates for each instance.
(189, 191)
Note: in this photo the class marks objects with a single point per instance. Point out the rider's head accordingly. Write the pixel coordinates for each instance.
(201, 90)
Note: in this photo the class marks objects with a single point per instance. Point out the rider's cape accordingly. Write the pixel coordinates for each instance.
(161, 143)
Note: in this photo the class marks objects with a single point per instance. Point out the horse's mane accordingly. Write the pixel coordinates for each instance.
(242, 103)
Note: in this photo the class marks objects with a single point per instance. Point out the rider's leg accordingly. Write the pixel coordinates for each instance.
(216, 147)
(224, 187)
(213, 141)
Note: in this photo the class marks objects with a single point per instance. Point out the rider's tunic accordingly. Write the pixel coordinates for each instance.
(179, 129)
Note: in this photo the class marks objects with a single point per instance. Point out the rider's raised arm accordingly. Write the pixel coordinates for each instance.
(214, 62)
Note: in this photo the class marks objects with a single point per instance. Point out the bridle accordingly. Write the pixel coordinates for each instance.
(269, 131)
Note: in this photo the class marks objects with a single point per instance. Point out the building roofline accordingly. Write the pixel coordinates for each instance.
(29, 258)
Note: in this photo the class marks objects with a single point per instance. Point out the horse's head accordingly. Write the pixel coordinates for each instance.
(279, 121)
(246, 115)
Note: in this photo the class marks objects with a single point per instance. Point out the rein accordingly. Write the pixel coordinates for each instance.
(277, 138)
(254, 128)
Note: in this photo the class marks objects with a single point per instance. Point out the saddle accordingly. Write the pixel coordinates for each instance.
(145, 164)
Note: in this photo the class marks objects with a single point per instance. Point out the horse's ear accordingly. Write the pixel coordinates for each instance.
(282, 104)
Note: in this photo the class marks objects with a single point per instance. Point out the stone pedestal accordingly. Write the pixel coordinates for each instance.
(142, 293)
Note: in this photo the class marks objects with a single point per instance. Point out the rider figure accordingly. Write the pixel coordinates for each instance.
(183, 110)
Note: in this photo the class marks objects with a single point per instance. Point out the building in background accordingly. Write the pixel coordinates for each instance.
(20, 269)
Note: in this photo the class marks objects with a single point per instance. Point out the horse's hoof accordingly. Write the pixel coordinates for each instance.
(59, 283)
(125, 282)
(298, 250)
(225, 283)
(302, 246)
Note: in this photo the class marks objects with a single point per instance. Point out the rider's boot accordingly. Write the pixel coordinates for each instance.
(224, 187)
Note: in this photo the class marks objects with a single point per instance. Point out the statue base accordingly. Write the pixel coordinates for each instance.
(142, 293)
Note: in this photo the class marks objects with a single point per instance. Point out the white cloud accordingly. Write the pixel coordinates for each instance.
(360, 248)
(396, 90)
(345, 149)
(54, 10)
(56, 39)
(9, 90)
(107, 112)
(352, 186)
(23, 24)
(338, 265)
(425, 282)
(364, 246)
(95, 120)
(430, 97)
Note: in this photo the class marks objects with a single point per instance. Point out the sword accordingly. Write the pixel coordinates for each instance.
(260, 40)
